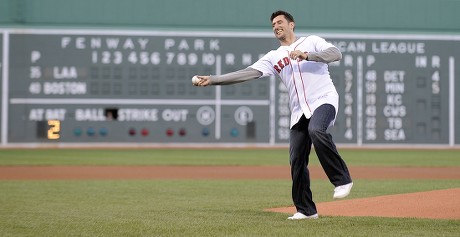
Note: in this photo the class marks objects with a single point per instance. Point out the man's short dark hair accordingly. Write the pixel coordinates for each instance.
(286, 15)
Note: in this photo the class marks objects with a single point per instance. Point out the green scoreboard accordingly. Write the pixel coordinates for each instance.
(110, 87)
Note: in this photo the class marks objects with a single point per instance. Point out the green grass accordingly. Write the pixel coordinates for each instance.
(194, 208)
(202, 207)
(406, 158)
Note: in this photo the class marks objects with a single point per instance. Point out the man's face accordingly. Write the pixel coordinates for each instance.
(281, 27)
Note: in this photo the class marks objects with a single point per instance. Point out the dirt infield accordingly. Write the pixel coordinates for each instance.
(442, 204)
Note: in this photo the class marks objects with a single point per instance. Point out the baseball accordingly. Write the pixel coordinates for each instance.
(195, 80)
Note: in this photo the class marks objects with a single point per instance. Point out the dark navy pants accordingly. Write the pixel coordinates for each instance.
(302, 135)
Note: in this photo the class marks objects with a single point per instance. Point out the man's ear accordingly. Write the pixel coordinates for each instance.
(292, 24)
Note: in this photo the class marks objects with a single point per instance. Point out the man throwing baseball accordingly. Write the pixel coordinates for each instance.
(301, 63)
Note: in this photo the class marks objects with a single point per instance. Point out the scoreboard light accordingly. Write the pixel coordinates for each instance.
(132, 132)
(234, 132)
(77, 132)
(103, 132)
(182, 132)
(145, 132)
(91, 131)
(205, 132)
(169, 132)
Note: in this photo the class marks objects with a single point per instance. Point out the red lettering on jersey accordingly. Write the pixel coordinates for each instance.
(286, 61)
(281, 64)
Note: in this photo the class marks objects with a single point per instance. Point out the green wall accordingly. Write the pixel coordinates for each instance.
(6, 11)
(346, 15)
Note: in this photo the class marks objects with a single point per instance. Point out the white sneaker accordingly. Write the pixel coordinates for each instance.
(342, 190)
(300, 216)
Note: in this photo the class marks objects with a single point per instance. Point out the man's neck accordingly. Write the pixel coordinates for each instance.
(288, 40)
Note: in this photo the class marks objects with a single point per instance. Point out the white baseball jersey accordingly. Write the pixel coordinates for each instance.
(308, 82)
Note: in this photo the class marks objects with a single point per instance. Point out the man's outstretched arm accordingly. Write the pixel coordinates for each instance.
(230, 78)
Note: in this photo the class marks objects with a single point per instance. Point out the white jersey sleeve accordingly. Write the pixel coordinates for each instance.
(265, 65)
(319, 43)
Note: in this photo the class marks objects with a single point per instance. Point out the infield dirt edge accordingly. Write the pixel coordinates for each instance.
(437, 204)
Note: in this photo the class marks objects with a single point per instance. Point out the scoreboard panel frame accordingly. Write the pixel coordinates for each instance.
(356, 121)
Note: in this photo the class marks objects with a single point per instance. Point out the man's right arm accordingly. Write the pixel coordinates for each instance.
(232, 77)
(263, 67)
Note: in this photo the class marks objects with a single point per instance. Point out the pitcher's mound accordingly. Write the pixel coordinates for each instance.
(439, 204)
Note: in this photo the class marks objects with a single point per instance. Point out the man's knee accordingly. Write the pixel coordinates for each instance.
(316, 132)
